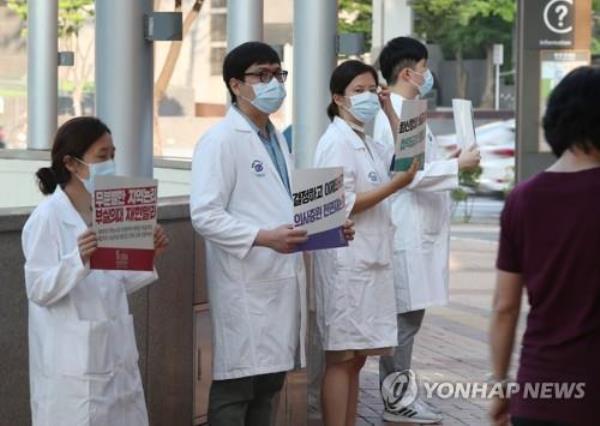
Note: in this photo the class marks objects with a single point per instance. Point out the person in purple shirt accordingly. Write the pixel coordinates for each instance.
(550, 246)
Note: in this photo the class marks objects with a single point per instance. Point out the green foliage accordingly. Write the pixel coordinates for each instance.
(596, 27)
(72, 14)
(355, 16)
(465, 26)
(468, 181)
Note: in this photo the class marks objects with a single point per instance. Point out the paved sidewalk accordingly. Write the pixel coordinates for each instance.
(452, 345)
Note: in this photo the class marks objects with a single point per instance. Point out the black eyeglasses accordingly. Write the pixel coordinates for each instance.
(267, 76)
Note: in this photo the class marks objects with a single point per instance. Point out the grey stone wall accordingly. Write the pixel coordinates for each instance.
(163, 315)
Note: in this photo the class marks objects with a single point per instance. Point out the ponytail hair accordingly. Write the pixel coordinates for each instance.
(72, 139)
(342, 77)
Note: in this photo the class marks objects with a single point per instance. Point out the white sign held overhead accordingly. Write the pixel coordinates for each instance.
(464, 123)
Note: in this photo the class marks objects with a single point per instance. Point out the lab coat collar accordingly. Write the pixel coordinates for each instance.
(67, 211)
(346, 130)
(239, 121)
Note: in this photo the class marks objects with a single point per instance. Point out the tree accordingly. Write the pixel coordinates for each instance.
(355, 16)
(73, 15)
(164, 77)
(596, 27)
(466, 28)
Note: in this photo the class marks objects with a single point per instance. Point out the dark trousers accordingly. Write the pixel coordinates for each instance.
(244, 402)
(521, 421)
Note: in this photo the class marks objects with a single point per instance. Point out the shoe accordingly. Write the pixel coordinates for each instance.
(417, 412)
(431, 406)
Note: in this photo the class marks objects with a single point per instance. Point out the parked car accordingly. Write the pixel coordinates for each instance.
(497, 144)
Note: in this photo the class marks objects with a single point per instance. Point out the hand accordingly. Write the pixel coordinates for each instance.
(348, 230)
(402, 179)
(282, 239)
(499, 413)
(469, 158)
(456, 153)
(161, 241)
(88, 244)
(385, 99)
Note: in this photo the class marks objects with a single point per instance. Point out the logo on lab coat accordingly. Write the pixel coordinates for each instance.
(258, 167)
(373, 176)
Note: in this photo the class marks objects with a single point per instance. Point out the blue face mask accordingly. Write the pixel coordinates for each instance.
(425, 87)
(365, 106)
(105, 168)
(268, 96)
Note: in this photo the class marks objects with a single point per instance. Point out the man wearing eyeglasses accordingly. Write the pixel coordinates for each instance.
(241, 204)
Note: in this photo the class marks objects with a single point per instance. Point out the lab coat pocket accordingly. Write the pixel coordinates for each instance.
(369, 249)
(274, 317)
(126, 336)
(434, 213)
(263, 264)
(83, 347)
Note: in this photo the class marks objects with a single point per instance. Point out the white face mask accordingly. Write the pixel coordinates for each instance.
(428, 81)
(268, 97)
(364, 106)
(104, 168)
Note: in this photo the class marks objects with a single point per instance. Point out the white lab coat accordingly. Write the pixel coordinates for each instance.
(82, 350)
(257, 296)
(421, 213)
(354, 288)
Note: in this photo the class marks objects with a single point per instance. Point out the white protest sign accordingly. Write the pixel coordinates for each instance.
(319, 206)
(410, 142)
(464, 123)
(124, 218)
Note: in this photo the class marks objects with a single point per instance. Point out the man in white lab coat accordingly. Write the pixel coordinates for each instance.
(241, 204)
(421, 214)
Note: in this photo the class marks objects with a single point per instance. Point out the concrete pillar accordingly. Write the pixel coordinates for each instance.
(315, 32)
(244, 22)
(124, 82)
(391, 18)
(42, 72)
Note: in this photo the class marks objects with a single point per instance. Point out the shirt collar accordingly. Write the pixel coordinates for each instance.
(270, 127)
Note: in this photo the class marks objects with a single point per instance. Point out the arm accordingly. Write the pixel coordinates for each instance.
(136, 280)
(503, 325)
(213, 180)
(49, 276)
(437, 175)
(505, 315)
(366, 200)
(440, 175)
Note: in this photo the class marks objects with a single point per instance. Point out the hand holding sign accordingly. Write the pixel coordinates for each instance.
(388, 108)
(283, 239)
(161, 241)
(403, 179)
(348, 230)
(87, 244)
(469, 158)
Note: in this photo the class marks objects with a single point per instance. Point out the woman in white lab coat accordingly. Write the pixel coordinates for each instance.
(82, 350)
(356, 308)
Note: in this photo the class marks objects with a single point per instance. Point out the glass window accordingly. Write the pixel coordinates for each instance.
(218, 27)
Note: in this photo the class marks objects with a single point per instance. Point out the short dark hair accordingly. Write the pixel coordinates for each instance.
(243, 57)
(400, 53)
(73, 138)
(572, 116)
(340, 79)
